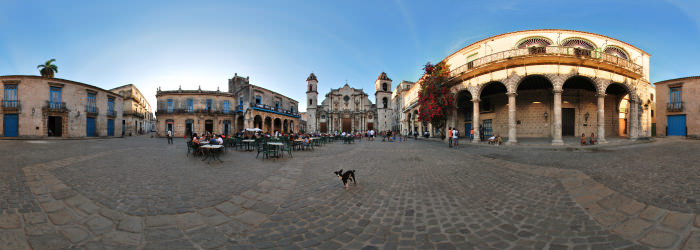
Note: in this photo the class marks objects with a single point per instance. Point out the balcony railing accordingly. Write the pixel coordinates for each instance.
(139, 115)
(271, 108)
(111, 113)
(239, 108)
(56, 106)
(548, 51)
(192, 111)
(91, 110)
(674, 107)
(11, 106)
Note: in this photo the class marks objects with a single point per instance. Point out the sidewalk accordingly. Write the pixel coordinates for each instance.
(570, 143)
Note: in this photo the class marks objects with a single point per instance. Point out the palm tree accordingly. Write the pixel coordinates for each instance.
(48, 69)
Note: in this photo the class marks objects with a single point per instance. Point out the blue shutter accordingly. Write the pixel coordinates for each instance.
(676, 125)
(90, 126)
(110, 127)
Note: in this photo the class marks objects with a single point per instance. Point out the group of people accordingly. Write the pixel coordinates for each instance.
(453, 136)
(211, 139)
(587, 141)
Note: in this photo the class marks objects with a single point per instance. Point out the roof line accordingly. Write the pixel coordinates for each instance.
(678, 79)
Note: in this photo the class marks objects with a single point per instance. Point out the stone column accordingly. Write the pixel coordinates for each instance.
(634, 119)
(475, 121)
(556, 137)
(512, 124)
(601, 118)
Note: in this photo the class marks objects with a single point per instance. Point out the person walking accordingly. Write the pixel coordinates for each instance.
(471, 135)
(449, 136)
(415, 135)
(170, 136)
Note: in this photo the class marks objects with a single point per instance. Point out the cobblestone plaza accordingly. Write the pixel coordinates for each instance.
(141, 193)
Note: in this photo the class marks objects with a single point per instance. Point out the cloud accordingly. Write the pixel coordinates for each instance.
(689, 8)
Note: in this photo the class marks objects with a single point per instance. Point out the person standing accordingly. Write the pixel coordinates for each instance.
(170, 136)
(415, 135)
(455, 137)
(449, 136)
(471, 134)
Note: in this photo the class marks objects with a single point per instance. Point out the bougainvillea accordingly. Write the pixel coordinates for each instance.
(434, 97)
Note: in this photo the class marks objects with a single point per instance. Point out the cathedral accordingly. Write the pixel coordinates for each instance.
(349, 109)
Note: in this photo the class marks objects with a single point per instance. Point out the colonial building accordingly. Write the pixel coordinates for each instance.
(547, 83)
(194, 111)
(244, 106)
(678, 107)
(39, 107)
(138, 115)
(261, 108)
(400, 119)
(348, 109)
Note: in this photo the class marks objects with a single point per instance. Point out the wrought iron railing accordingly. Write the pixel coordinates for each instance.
(674, 106)
(111, 113)
(91, 110)
(548, 51)
(56, 106)
(271, 108)
(239, 108)
(192, 111)
(11, 106)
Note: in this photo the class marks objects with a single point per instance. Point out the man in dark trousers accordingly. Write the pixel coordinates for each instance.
(170, 137)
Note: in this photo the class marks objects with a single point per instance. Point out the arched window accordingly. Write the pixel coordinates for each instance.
(309, 88)
(385, 101)
(384, 86)
(311, 102)
(534, 42)
(578, 43)
(616, 51)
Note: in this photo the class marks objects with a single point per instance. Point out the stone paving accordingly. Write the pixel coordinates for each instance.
(140, 193)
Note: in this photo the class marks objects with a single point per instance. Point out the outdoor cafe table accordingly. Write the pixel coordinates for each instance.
(247, 144)
(299, 142)
(212, 152)
(278, 146)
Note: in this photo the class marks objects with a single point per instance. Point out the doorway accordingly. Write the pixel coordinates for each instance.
(10, 124)
(55, 126)
(90, 127)
(568, 122)
(189, 127)
(370, 126)
(209, 126)
(346, 124)
(110, 127)
(324, 128)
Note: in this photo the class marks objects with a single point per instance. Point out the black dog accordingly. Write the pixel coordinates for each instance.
(350, 174)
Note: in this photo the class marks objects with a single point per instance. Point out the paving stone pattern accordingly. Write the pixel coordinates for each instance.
(145, 194)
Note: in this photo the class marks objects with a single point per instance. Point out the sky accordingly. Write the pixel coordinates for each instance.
(192, 44)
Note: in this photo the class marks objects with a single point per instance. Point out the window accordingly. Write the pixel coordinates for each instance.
(91, 103)
(240, 102)
(488, 128)
(227, 107)
(311, 102)
(384, 86)
(652, 97)
(208, 105)
(258, 99)
(11, 96)
(652, 114)
(55, 98)
(385, 102)
(675, 95)
(277, 105)
(170, 106)
(110, 106)
(189, 106)
(291, 109)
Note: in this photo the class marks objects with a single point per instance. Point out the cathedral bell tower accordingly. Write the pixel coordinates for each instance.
(383, 101)
(312, 102)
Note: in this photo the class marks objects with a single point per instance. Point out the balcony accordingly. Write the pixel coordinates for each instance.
(11, 106)
(274, 109)
(91, 110)
(55, 107)
(549, 54)
(192, 111)
(674, 107)
(239, 108)
(111, 113)
(135, 114)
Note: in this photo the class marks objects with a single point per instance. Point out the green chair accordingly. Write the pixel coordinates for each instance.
(287, 147)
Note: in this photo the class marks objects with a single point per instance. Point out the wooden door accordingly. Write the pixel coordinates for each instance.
(568, 122)
(346, 124)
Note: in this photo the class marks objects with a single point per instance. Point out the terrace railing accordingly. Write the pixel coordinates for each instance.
(547, 51)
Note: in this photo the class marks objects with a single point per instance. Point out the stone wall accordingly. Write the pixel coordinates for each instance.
(33, 93)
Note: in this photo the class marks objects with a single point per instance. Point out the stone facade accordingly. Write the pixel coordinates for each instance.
(349, 109)
(138, 115)
(248, 106)
(27, 98)
(188, 112)
(400, 120)
(547, 83)
(683, 103)
(262, 108)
